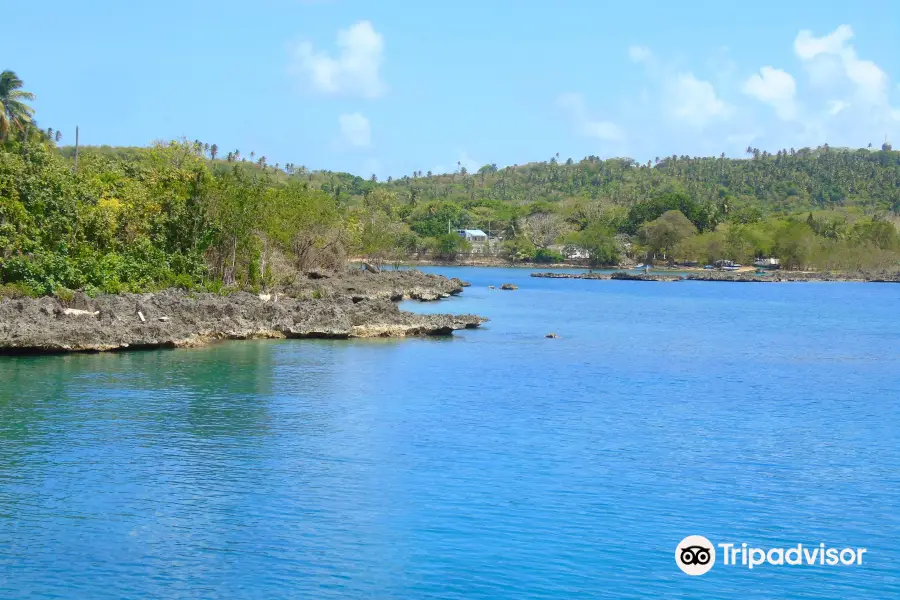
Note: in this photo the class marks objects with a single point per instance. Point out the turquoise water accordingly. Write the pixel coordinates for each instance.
(494, 464)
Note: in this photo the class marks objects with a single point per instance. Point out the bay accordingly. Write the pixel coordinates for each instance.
(495, 463)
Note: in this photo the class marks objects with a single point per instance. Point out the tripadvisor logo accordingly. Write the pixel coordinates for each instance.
(696, 555)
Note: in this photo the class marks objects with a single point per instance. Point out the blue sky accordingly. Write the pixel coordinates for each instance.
(393, 87)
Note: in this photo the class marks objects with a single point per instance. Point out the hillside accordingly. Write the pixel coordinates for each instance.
(130, 219)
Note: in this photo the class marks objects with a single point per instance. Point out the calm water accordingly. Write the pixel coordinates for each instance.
(495, 464)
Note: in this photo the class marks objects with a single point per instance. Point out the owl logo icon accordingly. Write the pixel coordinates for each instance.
(695, 555)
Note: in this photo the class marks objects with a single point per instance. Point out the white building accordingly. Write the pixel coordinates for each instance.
(473, 235)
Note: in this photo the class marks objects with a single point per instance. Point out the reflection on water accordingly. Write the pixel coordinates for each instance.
(492, 464)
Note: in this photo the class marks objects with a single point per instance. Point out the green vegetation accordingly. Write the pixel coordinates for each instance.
(189, 214)
(15, 114)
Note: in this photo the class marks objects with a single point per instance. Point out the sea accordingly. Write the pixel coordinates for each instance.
(495, 463)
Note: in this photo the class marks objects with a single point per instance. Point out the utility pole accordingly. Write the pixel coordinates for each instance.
(76, 148)
(448, 226)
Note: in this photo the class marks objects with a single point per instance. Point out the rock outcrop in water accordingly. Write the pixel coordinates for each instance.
(555, 275)
(618, 275)
(784, 276)
(351, 305)
(361, 285)
(624, 276)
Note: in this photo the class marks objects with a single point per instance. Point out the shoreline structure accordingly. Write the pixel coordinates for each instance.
(353, 304)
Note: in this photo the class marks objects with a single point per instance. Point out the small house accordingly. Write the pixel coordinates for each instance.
(473, 235)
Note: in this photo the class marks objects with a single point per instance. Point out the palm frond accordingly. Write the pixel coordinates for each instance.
(20, 95)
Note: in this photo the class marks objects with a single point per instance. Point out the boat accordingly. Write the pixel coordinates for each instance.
(640, 266)
(708, 267)
(731, 268)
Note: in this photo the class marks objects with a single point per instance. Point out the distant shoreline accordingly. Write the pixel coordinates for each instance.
(488, 262)
(734, 277)
(665, 273)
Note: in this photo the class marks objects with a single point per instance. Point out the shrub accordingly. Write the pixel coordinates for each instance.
(64, 294)
(213, 286)
(16, 290)
(182, 281)
(545, 255)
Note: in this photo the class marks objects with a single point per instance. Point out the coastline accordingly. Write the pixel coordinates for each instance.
(745, 274)
(335, 306)
(748, 276)
(479, 262)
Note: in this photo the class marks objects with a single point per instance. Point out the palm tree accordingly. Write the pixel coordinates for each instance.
(14, 113)
(58, 135)
(252, 154)
(213, 151)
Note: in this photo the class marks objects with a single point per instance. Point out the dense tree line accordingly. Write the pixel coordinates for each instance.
(190, 214)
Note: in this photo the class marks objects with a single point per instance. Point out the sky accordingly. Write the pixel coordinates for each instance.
(393, 87)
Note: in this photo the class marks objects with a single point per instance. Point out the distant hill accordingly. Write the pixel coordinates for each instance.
(787, 181)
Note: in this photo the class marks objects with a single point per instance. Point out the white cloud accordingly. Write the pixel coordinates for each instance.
(640, 54)
(586, 125)
(836, 106)
(694, 101)
(776, 88)
(832, 55)
(354, 70)
(355, 130)
(807, 46)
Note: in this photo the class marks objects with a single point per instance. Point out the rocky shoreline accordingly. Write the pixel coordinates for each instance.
(618, 275)
(744, 277)
(799, 277)
(355, 304)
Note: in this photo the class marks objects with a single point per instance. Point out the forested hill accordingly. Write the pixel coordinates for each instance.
(788, 181)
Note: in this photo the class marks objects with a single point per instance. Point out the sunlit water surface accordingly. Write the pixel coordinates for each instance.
(493, 464)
